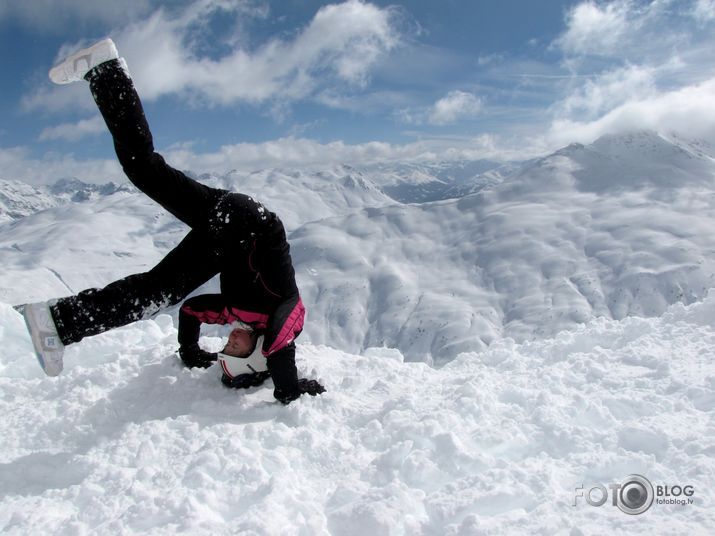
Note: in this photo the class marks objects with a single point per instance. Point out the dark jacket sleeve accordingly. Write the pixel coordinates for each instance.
(281, 365)
(284, 325)
(202, 309)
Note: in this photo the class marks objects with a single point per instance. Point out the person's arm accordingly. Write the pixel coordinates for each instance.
(206, 308)
(288, 387)
(284, 325)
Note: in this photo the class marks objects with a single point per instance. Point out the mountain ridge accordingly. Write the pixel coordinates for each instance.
(546, 248)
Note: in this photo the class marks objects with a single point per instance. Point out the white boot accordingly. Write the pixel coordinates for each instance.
(48, 347)
(74, 67)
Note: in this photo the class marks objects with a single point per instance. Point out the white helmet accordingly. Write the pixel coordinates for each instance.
(236, 366)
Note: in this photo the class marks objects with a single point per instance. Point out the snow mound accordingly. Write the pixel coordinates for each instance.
(129, 441)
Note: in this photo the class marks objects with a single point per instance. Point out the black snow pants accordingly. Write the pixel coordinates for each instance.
(190, 264)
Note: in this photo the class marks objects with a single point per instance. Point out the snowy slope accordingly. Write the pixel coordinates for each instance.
(74, 246)
(127, 441)
(578, 234)
(299, 197)
(18, 199)
(637, 160)
(118, 231)
(421, 183)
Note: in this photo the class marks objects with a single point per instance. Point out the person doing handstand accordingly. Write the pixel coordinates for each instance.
(231, 234)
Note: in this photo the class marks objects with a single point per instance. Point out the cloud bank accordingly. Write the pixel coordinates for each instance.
(18, 163)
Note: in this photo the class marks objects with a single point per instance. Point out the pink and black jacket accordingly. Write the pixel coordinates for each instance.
(279, 329)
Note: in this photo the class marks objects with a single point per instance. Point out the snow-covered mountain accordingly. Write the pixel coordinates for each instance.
(119, 231)
(616, 228)
(422, 183)
(300, 197)
(630, 161)
(310, 196)
(571, 236)
(18, 199)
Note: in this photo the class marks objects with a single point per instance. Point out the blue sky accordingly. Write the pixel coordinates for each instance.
(247, 84)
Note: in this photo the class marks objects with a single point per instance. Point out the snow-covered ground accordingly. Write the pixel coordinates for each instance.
(566, 305)
(127, 441)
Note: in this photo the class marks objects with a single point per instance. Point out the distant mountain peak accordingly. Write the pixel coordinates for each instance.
(18, 199)
(622, 161)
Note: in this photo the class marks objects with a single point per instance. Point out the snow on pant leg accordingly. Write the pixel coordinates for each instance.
(119, 104)
(139, 296)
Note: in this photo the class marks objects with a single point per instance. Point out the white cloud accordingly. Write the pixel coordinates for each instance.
(375, 101)
(704, 10)
(52, 99)
(74, 131)
(688, 110)
(630, 30)
(596, 28)
(18, 163)
(600, 94)
(454, 106)
(338, 48)
(487, 59)
(340, 45)
(303, 153)
(298, 153)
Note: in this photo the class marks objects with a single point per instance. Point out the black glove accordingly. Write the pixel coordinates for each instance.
(288, 387)
(302, 386)
(244, 381)
(193, 356)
